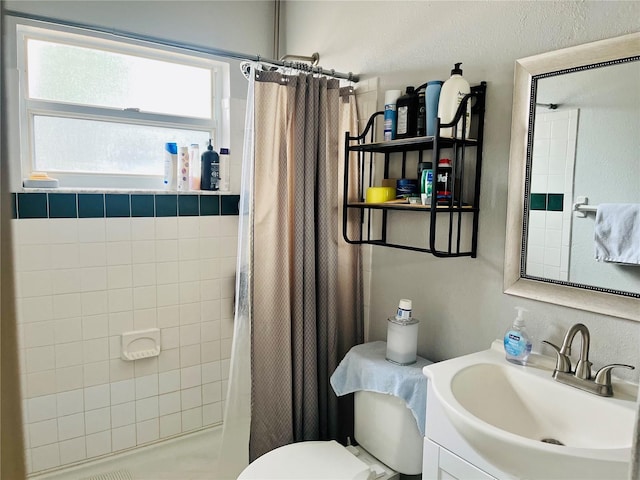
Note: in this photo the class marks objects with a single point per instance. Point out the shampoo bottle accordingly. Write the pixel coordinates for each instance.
(517, 343)
(407, 109)
(210, 169)
(390, 114)
(452, 93)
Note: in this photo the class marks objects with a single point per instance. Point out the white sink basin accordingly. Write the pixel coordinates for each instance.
(508, 413)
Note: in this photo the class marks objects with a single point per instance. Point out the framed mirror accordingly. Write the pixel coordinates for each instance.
(575, 143)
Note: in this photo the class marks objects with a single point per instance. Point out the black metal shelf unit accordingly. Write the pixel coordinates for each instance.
(465, 153)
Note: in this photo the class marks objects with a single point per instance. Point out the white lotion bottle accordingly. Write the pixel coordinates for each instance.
(451, 95)
(517, 342)
(170, 166)
(184, 171)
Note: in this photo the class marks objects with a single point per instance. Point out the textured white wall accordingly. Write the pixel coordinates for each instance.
(460, 301)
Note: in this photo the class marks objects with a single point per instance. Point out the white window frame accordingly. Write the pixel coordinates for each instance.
(28, 108)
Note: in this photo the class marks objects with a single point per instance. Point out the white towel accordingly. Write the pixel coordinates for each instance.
(364, 368)
(617, 233)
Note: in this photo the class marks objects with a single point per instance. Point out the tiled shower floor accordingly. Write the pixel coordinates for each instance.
(191, 457)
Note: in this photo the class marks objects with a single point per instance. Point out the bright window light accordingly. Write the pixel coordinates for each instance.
(97, 113)
(87, 76)
(106, 147)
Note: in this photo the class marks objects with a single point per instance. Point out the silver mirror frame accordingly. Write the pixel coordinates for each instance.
(593, 300)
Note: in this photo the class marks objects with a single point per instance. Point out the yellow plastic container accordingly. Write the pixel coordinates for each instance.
(380, 194)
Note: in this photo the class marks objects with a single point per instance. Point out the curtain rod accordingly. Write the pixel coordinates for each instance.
(185, 46)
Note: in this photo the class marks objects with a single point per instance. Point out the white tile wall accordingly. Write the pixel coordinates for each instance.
(554, 147)
(81, 284)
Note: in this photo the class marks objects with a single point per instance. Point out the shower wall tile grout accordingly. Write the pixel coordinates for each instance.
(81, 283)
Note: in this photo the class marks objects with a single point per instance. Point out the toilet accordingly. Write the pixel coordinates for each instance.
(389, 443)
(388, 438)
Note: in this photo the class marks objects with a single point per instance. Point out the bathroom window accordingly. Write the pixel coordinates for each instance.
(97, 112)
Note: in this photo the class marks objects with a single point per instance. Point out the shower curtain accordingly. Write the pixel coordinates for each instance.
(299, 287)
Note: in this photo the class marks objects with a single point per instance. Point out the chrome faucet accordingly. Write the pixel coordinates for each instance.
(582, 377)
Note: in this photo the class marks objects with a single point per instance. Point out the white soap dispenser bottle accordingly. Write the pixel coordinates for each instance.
(451, 95)
(517, 343)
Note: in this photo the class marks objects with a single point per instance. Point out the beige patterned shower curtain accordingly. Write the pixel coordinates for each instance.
(307, 291)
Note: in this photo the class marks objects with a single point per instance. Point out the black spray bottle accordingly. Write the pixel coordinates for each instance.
(210, 173)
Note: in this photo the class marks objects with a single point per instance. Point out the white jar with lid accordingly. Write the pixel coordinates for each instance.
(402, 335)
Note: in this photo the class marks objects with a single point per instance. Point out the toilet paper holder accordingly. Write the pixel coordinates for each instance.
(140, 344)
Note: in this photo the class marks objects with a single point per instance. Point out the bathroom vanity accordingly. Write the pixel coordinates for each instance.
(489, 419)
(447, 455)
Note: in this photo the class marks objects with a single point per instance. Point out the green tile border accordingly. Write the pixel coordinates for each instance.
(555, 202)
(117, 205)
(90, 205)
(188, 206)
(63, 205)
(538, 201)
(109, 205)
(549, 202)
(32, 205)
(230, 205)
(166, 205)
(209, 205)
(143, 205)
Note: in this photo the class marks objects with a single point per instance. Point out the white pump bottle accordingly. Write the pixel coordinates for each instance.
(452, 93)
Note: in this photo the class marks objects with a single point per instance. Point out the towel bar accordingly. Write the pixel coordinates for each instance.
(581, 207)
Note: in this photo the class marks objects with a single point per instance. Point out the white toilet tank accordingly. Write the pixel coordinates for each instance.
(386, 428)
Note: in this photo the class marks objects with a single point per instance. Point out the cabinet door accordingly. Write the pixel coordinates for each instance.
(452, 467)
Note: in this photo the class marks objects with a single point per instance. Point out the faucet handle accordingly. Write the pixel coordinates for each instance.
(563, 363)
(603, 376)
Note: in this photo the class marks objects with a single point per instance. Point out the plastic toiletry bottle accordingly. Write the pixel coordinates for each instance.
(224, 169)
(444, 181)
(390, 114)
(451, 94)
(407, 106)
(194, 163)
(210, 171)
(517, 343)
(184, 169)
(425, 175)
(170, 166)
(432, 97)
(421, 118)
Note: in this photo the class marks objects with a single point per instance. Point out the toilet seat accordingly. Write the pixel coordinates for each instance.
(307, 460)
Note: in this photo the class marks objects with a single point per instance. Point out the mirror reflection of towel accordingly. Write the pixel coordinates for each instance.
(617, 233)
